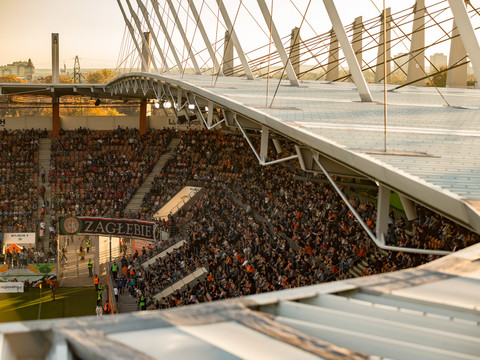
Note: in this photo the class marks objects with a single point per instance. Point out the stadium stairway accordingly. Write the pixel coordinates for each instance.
(136, 201)
(356, 271)
(44, 153)
(126, 302)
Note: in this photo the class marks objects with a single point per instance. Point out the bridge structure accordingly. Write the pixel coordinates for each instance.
(420, 142)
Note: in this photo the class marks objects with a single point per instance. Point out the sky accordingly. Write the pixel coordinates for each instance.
(93, 29)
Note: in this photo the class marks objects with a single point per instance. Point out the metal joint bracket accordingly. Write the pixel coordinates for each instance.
(264, 145)
(208, 124)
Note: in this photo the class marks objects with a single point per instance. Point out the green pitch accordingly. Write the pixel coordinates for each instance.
(38, 304)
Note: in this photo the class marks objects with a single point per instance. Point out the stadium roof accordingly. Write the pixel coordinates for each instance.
(429, 312)
(432, 148)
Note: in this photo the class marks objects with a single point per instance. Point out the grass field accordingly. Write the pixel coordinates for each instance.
(38, 304)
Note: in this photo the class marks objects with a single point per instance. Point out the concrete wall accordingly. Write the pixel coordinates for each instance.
(27, 122)
(94, 122)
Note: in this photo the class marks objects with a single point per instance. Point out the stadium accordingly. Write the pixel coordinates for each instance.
(242, 207)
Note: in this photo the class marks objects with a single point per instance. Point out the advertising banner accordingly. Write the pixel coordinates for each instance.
(11, 287)
(102, 226)
(25, 239)
(139, 245)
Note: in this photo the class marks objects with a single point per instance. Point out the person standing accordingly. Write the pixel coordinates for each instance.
(107, 308)
(114, 270)
(87, 245)
(143, 303)
(95, 282)
(90, 268)
(115, 292)
(98, 310)
(42, 174)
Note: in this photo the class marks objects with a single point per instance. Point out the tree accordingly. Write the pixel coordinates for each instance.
(100, 76)
(11, 79)
(439, 80)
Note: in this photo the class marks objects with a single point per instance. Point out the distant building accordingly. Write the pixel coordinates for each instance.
(15, 69)
(400, 64)
(29, 70)
(438, 60)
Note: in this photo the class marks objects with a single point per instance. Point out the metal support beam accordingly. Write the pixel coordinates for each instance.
(416, 63)
(457, 77)
(379, 69)
(209, 124)
(355, 69)
(332, 66)
(259, 157)
(278, 43)
(383, 209)
(466, 33)
(295, 50)
(201, 28)
(167, 35)
(146, 51)
(408, 207)
(264, 143)
(132, 33)
(236, 42)
(146, 17)
(227, 65)
(364, 225)
(278, 145)
(184, 37)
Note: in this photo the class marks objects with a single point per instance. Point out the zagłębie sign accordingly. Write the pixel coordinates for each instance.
(82, 225)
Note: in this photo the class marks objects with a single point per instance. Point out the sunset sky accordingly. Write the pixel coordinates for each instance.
(93, 29)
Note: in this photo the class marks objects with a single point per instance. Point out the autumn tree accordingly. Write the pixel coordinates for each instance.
(11, 79)
(440, 79)
(100, 76)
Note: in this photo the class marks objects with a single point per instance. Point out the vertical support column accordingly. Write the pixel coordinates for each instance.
(146, 54)
(278, 43)
(295, 50)
(96, 257)
(357, 39)
(355, 69)
(236, 42)
(383, 208)
(264, 144)
(409, 207)
(143, 117)
(167, 35)
(144, 11)
(146, 51)
(55, 116)
(278, 145)
(55, 59)
(457, 78)
(227, 65)
(379, 70)
(469, 40)
(332, 66)
(132, 32)
(416, 63)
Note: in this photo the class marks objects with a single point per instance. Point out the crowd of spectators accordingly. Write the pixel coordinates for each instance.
(260, 229)
(18, 180)
(23, 257)
(96, 173)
